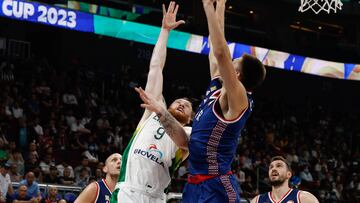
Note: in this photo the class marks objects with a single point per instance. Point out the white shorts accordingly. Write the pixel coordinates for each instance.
(129, 194)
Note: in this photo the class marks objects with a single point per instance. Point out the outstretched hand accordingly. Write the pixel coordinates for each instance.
(169, 17)
(149, 102)
(207, 2)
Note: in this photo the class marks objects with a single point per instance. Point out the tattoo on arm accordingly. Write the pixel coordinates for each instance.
(172, 127)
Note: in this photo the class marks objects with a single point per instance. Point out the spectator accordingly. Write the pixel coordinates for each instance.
(16, 158)
(6, 188)
(22, 197)
(61, 167)
(3, 153)
(52, 177)
(52, 195)
(66, 179)
(305, 175)
(46, 163)
(14, 175)
(84, 164)
(83, 179)
(32, 187)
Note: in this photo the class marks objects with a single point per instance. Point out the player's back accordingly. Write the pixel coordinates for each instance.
(291, 196)
(213, 139)
(103, 192)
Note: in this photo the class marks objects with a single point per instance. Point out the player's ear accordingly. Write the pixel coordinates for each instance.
(105, 169)
(289, 174)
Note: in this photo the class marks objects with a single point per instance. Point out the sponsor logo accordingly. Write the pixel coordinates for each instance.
(152, 153)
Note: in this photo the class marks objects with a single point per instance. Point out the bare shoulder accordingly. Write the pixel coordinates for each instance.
(88, 194)
(307, 197)
(255, 199)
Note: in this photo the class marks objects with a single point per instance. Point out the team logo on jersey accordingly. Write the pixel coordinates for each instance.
(154, 149)
(290, 201)
(213, 88)
(151, 153)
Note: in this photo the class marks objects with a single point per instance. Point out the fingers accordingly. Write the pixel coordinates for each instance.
(142, 94)
(164, 9)
(176, 9)
(144, 106)
(179, 23)
(171, 7)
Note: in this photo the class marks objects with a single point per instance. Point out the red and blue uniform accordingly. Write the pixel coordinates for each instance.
(103, 192)
(293, 196)
(212, 148)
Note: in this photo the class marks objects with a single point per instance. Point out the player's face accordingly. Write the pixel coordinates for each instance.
(278, 173)
(181, 109)
(113, 164)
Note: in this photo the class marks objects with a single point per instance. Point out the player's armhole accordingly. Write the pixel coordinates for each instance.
(97, 191)
(257, 199)
(215, 77)
(298, 196)
(221, 117)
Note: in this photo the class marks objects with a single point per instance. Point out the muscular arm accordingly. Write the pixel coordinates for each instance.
(307, 197)
(220, 14)
(154, 84)
(88, 194)
(236, 97)
(174, 129)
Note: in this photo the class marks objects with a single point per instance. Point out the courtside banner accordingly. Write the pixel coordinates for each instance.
(45, 14)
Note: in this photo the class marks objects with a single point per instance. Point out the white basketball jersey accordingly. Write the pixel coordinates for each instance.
(150, 157)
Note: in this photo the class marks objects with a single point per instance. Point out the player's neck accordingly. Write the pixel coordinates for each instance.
(278, 192)
(111, 181)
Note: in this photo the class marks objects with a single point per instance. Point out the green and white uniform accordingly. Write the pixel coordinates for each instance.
(147, 163)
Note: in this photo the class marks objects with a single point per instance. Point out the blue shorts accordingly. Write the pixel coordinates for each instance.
(221, 189)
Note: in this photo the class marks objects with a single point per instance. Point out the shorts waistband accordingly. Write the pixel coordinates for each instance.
(199, 178)
(141, 190)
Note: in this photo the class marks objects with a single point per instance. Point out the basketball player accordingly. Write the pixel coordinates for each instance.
(100, 192)
(221, 117)
(155, 149)
(279, 175)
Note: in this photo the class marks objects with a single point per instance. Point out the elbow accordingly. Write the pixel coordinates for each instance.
(220, 53)
(184, 145)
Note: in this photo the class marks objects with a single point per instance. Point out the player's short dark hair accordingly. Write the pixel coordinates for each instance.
(253, 72)
(280, 158)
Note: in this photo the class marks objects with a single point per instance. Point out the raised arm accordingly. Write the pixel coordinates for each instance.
(220, 14)
(154, 85)
(236, 94)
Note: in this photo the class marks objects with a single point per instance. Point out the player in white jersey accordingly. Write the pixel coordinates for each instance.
(156, 147)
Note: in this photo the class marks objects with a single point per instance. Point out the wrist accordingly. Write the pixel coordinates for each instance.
(207, 3)
(161, 114)
(165, 30)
